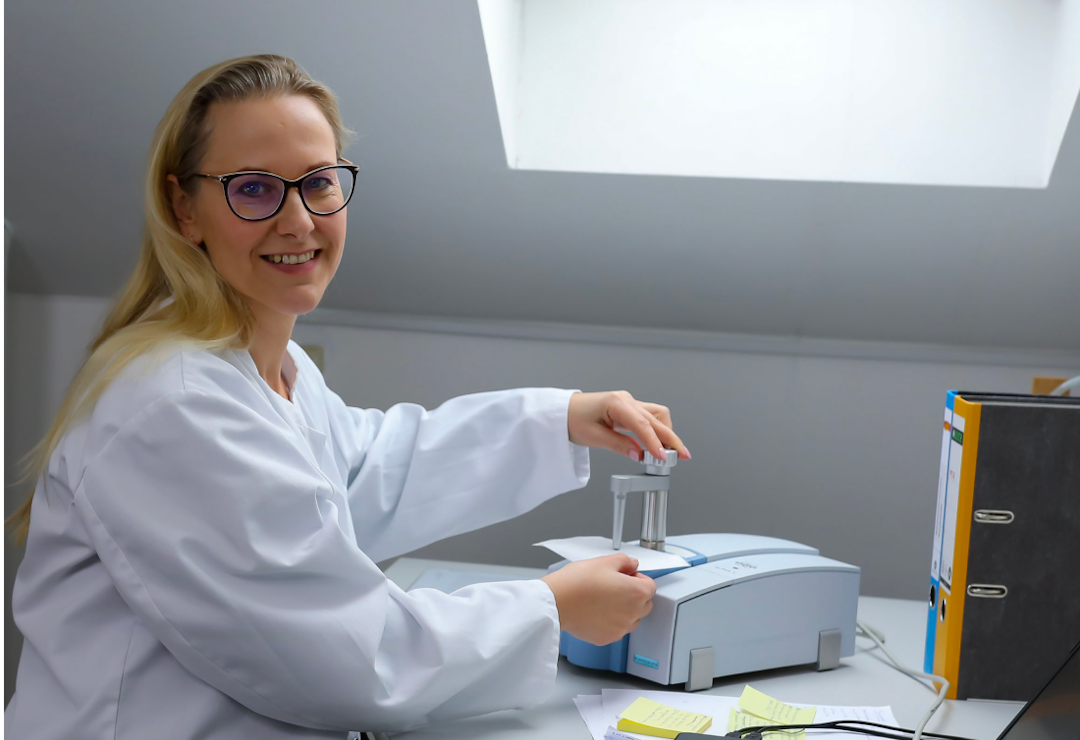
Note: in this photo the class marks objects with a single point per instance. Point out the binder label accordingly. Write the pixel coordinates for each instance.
(939, 512)
(952, 496)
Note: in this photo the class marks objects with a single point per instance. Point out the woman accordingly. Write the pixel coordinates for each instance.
(202, 539)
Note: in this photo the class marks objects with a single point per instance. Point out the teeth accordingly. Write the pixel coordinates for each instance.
(291, 259)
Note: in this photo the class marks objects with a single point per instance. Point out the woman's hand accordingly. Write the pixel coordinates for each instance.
(602, 599)
(594, 420)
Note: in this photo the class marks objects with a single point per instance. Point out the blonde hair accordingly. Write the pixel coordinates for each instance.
(204, 310)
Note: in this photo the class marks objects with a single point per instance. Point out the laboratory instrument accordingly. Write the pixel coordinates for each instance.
(741, 603)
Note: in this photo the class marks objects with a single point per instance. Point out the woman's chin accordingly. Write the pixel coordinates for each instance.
(300, 301)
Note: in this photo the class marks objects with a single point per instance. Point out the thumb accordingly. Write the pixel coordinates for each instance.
(626, 564)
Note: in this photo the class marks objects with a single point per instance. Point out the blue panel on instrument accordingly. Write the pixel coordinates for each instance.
(601, 657)
(611, 657)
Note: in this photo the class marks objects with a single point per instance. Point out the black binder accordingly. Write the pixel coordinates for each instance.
(1007, 603)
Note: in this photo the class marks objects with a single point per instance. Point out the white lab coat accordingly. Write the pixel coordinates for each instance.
(203, 564)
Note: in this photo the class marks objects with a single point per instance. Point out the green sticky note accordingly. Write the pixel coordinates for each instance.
(738, 720)
(762, 705)
(649, 717)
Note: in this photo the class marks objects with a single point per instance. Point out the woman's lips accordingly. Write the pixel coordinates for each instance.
(294, 269)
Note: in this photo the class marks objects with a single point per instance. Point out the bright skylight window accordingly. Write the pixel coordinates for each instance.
(930, 92)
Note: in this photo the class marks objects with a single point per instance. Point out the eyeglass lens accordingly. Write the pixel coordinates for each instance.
(257, 196)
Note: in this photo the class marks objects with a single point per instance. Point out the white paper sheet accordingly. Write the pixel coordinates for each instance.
(600, 715)
(883, 715)
(591, 709)
(583, 548)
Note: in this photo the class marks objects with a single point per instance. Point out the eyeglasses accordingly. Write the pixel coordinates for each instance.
(255, 196)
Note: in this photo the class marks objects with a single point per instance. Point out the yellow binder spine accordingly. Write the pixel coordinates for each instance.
(951, 604)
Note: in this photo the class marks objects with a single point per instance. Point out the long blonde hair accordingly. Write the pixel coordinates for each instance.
(204, 310)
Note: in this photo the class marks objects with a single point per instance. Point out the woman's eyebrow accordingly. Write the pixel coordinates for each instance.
(263, 169)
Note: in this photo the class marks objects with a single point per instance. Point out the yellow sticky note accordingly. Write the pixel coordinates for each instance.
(738, 720)
(649, 717)
(762, 705)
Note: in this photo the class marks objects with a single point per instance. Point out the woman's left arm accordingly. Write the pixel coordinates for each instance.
(417, 476)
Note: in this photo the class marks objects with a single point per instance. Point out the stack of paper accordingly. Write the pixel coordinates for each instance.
(601, 713)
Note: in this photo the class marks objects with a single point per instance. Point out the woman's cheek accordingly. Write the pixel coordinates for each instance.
(337, 239)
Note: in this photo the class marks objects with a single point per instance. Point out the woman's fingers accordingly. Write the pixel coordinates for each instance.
(641, 424)
(615, 418)
(651, 423)
(660, 434)
(669, 438)
(620, 443)
(660, 412)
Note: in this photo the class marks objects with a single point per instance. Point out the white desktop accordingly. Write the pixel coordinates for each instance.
(866, 678)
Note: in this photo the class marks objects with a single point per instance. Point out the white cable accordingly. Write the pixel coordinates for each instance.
(1065, 387)
(865, 630)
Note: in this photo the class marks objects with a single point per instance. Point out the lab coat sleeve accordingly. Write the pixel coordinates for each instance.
(225, 542)
(416, 476)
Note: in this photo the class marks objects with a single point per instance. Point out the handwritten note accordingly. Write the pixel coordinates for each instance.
(738, 720)
(599, 712)
(762, 705)
(649, 717)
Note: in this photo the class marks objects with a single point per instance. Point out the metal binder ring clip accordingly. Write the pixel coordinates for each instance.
(994, 516)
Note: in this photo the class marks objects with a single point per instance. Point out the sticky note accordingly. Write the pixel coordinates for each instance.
(738, 720)
(762, 705)
(649, 717)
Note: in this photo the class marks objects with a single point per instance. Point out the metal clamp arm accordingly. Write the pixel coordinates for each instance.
(654, 484)
(624, 484)
(635, 483)
(620, 515)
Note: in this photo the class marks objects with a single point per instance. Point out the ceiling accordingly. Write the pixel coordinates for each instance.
(441, 227)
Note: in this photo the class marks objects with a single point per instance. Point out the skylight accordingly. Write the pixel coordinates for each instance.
(929, 92)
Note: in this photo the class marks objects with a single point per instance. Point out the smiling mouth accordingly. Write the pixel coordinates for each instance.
(291, 259)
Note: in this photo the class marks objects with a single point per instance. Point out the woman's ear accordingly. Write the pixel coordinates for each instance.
(183, 210)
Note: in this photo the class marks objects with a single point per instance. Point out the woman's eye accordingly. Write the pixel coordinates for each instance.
(318, 183)
(252, 188)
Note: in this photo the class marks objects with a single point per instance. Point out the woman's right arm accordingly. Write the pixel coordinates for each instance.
(224, 540)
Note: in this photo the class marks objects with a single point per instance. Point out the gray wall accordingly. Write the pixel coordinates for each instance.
(838, 452)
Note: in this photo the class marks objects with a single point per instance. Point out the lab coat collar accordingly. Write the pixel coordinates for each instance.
(314, 447)
(289, 373)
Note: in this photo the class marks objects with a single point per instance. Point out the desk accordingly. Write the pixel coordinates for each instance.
(866, 678)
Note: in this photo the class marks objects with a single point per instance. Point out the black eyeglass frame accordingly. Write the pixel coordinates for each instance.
(227, 178)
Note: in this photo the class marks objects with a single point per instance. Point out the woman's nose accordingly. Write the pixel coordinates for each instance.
(294, 219)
